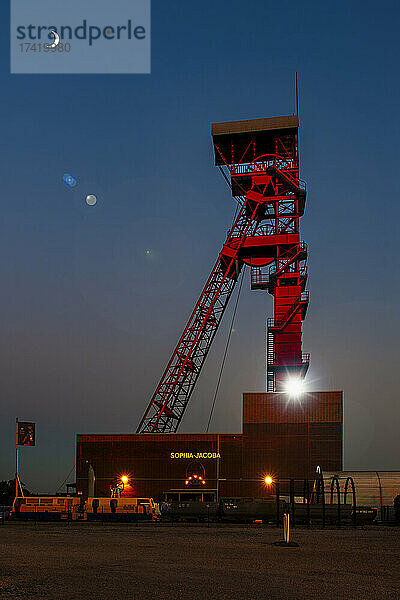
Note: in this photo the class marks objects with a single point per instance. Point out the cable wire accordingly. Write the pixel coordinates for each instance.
(65, 480)
(226, 351)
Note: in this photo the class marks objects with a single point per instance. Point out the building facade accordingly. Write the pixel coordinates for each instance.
(282, 438)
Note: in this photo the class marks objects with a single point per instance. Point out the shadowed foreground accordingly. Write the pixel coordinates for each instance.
(61, 561)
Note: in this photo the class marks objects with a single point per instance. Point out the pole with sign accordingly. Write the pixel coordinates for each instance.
(16, 458)
(24, 436)
(218, 455)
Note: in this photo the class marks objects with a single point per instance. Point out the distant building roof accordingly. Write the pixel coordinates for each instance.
(250, 125)
(243, 141)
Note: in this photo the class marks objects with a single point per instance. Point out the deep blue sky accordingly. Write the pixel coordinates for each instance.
(88, 319)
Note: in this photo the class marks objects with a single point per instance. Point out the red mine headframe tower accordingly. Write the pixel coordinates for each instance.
(263, 161)
(260, 161)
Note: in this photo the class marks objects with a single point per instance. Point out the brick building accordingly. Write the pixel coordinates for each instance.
(281, 437)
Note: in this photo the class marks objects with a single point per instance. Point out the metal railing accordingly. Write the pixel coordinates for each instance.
(287, 258)
(258, 276)
(284, 165)
(256, 167)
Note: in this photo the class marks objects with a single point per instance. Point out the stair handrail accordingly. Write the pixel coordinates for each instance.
(304, 297)
(289, 255)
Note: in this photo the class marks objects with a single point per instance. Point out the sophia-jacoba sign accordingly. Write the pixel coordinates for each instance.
(195, 455)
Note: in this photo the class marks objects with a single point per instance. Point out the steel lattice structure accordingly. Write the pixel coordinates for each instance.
(259, 159)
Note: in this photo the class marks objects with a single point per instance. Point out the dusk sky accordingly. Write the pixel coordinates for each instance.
(89, 318)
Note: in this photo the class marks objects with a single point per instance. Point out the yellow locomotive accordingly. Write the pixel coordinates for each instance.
(76, 508)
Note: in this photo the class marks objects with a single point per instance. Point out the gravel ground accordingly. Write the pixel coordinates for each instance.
(121, 561)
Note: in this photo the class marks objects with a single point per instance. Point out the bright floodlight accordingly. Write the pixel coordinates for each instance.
(124, 478)
(294, 387)
(268, 480)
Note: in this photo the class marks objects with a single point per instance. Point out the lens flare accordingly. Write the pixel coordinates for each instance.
(69, 180)
(294, 387)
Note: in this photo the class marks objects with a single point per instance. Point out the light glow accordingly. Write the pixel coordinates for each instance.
(268, 480)
(124, 478)
(294, 387)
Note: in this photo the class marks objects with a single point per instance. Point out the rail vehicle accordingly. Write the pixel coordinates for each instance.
(247, 510)
(120, 509)
(48, 508)
(364, 514)
(77, 508)
(227, 510)
(189, 511)
(250, 510)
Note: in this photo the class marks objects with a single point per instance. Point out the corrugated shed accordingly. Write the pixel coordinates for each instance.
(373, 488)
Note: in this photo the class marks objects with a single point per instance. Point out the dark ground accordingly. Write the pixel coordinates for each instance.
(121, 561)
